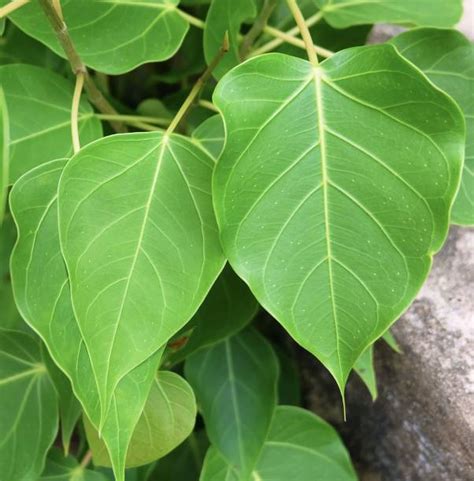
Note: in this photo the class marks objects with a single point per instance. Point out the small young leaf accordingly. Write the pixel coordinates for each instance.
(447, 58)
(140, 242)
(433, 13)
(210, 136)
(300, 445)
(236, 387)
(315, 199)
(227, 309)
(167, 420)
(112, 36)
(61, 468)
(389, 338)
(226, 16)
(28, 407)
(43, 298)
(39, 104)
(364, 367)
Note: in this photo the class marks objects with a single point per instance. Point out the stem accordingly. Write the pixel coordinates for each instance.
(257, 28)
(300, 21)
(313, 20)
(75, 112)
(198, 86)
(134, 119)
(208, 105)
(197, 22)
(86, 459)
(11, 7)
(94, 94)
(323, 52)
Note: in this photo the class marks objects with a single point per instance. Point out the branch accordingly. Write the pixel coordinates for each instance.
(11, 7)
(95, 95)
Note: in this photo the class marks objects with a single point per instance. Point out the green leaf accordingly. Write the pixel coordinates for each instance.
(226, 16)
(28, 407)
(140, 242)
(316, 199)
(300, 445)
(69, 407)
(167, 420)
(289, 386)
(227, 309)
(39, 105)
(236, 387)
(4, 153)
(210, 136)
(391, 341)
(131, 33)
(433, 13)
(447, 58)
(61, 468)
(364, 367)
(43, 298)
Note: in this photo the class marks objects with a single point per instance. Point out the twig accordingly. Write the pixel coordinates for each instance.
(198, 86)
(300, 21)
(257, 28)
(11, 7)
(75, 112)
(94, 94)
(208, 105)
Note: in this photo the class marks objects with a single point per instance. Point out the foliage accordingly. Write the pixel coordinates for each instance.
(219, 159)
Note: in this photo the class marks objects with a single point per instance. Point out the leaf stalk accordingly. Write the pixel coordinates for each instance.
(11, 7)
(76, 99)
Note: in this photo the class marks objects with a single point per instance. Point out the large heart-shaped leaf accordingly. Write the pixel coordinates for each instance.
(4, 153)
(28, 407)
(226, 16)
(236, 387)
(39, 105)
(299, 446)
(112, 36)
(433, 13)
(334, 191)
(447, 58)
(43, 298)
(140, 242)
(167, 420)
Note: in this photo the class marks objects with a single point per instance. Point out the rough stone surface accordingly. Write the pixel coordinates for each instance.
(421, 428)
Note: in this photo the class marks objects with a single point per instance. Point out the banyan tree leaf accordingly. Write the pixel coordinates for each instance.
(227, 309)
(226, 16)
(433, 13)
(28, 407)
(43, 297)
(112, 36)
(334, 190)
(447, 58)
(235, 383)
(167, 420)
(140, 242)
(61, 468)
(364, 367)
(210, 136)
(39, 106)
(389, 338)
(300, 445)
(4, 153)
(289, 385)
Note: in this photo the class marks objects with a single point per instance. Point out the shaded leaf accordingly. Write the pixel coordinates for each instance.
(226, 16)
(235, 383)
(4, 154)
(447, 58)
(28, 407)
(167, 420)
(300, 445)
(43, 298)
(364, 367)
(130, 33)
(210, 136)
(391, 341)
(39, 104)
(433, 13)
(316, 199)
(289, 386)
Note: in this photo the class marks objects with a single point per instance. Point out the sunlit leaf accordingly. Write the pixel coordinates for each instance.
(28, 407)
(235, 383)
(43, 298)
(447, 58)
(112, 36)
(299, 446)
(433, 13)
(4, 153)
(167, 420)
(39, 104)
(334, 190)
